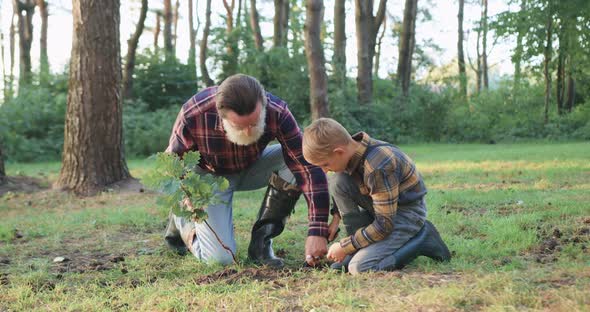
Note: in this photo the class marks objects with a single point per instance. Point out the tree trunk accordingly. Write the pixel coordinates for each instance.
(43, 58)
(478, 75)
(25, 39)
(131, 50)
(339, 57)
(255, 24)
(484, 55)
(93, 142)
(175, 19)
(314, 51)
(571, 91)
(2, 170)
(168, 47)
(192, 52)
(406, 46)
(203, 48)
(518, 51)
(12, 53)
(231, 61)
(378, 53)
(460, 52)
(560, 83)
(547, 63)
(367, 27)
(281, 23)
(5, 78)
(157, 32)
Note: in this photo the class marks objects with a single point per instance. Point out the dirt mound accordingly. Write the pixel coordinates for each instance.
(231, 276)
(553, 239)
(21, 184)
(85, 263)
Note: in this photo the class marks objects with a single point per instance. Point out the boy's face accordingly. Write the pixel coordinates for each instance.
(336, 162)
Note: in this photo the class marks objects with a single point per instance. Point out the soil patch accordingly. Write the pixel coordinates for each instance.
(554, 238)
(85, 263)
(22, 184)
(232, 276)
(130, 185)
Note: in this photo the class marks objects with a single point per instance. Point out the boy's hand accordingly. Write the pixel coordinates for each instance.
(336, 253)
(333, 228)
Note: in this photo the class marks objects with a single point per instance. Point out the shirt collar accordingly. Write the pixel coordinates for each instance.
(357, 157)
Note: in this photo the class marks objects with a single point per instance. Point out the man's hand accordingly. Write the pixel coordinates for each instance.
(336, 253)
(315, 248)
(333, 228)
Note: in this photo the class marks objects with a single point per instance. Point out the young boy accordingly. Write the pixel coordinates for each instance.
(378, 194)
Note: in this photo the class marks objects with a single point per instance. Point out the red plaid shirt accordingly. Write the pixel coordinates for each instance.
(198, 127)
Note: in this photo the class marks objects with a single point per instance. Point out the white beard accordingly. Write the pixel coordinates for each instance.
(240, 137)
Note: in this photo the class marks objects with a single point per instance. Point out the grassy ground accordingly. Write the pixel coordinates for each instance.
(516, 217)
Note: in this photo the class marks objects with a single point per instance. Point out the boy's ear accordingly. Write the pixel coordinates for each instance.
(338, 150)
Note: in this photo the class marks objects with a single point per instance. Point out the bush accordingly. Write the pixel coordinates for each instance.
(147, 132)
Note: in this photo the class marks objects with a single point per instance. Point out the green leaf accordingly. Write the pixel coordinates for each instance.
(191, 159)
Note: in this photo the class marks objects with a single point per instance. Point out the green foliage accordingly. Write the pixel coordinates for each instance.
(176, 180)
(162, 84)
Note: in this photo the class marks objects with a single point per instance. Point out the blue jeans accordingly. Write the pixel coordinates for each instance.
(205, 245)
(356, 210)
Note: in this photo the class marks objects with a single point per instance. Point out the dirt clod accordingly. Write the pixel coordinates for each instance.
(231, 276)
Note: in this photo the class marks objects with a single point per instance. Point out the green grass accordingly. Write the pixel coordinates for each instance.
(516, 217)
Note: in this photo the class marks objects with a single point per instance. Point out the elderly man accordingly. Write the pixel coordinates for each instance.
(231, 125)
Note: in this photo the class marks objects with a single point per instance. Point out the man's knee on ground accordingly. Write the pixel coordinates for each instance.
(356, 267)
(222, 257)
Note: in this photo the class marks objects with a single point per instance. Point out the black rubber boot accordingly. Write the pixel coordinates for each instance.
(427, 242)
(278, 203)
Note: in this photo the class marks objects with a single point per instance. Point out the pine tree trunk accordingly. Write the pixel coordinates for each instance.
(546, 65)
(2, 170)
(192, 52)
(157, 32)
(175, 21)
(168, 47)
(406, 46)
(571, 91)
(461, 53)
(478, 75)
(314, 51)
(255, 24)
(93, 142)
(131, 50)
(339, 57)
(367, 27)
(281, 23)
(378, 53)
(484, 53)
(43, 58)
(230, 64)
(560, 83)
(25, 39)
(12, 53)
(203, 48)
(518, 51)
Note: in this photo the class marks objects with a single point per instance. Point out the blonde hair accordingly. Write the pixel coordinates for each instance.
(321, 137)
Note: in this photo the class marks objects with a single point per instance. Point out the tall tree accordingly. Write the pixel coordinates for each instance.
(339, 57)
(518, 51)
(168, 46)
(131, 50)
(175, 21)
(230, 63)
(484, 52)
(547, 60)
(93, 142)
(26, 9)
(192, 52)
(460, 52)
(43, 58)
(281, 23)
(2, 170)
(378, 52)
(367, 27)
(157, 30)
(12, 48)
(314, 51)
(203, 47)
(255, 24)
(406, 46)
